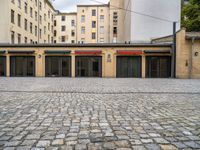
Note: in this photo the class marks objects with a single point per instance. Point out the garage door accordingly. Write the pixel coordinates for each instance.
(22, 66)
(158, 67)
(128, 66)
(2, 66)
(88, 66)
(58, 66)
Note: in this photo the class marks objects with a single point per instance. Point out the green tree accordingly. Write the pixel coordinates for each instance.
(191, 15)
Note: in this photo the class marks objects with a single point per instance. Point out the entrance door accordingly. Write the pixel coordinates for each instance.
(88, 66)
(57, 66)
(128, 66)
(22, 66)
(158, 67)
(2, 66)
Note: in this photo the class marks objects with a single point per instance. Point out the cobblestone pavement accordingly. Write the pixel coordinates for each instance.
(66, 114)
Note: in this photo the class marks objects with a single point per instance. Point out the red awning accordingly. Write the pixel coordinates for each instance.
(88, 52)
(127, 52)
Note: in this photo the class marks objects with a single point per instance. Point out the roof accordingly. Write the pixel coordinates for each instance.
(96, 5)
(99, 45)
(192, 35)
(49, 3)
(62, 13)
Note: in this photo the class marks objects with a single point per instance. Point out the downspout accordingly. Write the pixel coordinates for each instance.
(191, 59)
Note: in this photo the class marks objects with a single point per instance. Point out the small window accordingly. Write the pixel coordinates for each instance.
(82, 30)
(93, 35)
(19, 20)
(102, 30)
(101, 18)
(72, 33)
(12, 37)
(63, 38)
(35, 30)
(72, 41)
(25, 24)
(25, 7)
(12, 16)
(36, 16)
(54, 22)
(31, 27)
(63, 18)
(63, 28)
(114, 30)
(25, 39)
(93, 24)
(83, 18)
(72, 23)
(19, 38)
(93, 12)
(19, 3)
(31, 12)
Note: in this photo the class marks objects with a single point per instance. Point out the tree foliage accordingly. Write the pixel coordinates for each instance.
(191, 15)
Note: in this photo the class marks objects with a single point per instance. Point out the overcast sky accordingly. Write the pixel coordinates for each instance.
(70, 5)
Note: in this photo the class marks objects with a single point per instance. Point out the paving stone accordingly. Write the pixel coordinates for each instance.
(152, 146)
(145, 141)
(122, 144)
(12, 143)
(58, 142)
(44, 143)
(109, 145)
(161, 141)
(29, 142)
(168, 147)
(192, 144)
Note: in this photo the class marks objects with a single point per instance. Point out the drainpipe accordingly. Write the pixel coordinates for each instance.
(173, 63)
(191, 59)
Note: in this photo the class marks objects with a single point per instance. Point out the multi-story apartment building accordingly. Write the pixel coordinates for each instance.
(26, 21)
(65, 27)
(93, 23)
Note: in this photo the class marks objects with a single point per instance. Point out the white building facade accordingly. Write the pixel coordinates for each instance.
(141, 27)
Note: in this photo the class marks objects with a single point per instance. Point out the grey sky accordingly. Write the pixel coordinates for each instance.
(70, 5)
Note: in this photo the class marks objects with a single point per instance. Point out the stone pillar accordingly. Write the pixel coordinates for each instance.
(73, 63)
(40, 64)
(8, 65)
(143, 66)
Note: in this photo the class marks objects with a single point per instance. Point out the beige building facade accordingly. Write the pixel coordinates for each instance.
(93, 23)
(65, 28)
(26, 21)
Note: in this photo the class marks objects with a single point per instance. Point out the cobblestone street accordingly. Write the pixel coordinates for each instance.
(82, 113)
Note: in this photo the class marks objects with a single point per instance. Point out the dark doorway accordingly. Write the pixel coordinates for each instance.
(57, 66)
(129, 67)
(88, 66)
(2, 66)
(158, 67)
(22, 66)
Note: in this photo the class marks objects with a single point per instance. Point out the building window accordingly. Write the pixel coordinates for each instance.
(45, 17)
(82, 40)
(31, 12)
(19, 20)
(93, 35)
(48, 38)
(63, 18)
(35, 30)
(36, 16)
(63, 39)
(25, 39)
(40, 33)
(55, 41)
(12, 37)
(63, 28)
(82, 30)
(115, 18)
(25, 24)
(19, 38)
(101, 29)
(31, 27)
(72, 41)
(45, 29)
(19, 3)
(72, 33)
(93, 24)
(114, 30)
(55, 33)
(25, 7)
(48, 26)
(83, 18)
(102, 18)
(40, 19)
(93, 12)
(40, 5)
(12, 16)
(13, 1)
(48, 14)
(36, 2)
(54, 22)
(72, 23)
